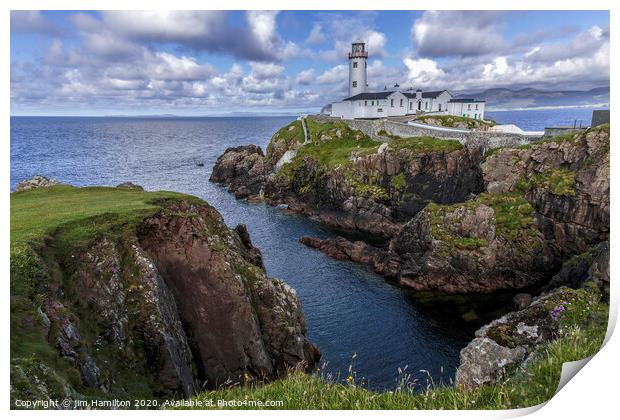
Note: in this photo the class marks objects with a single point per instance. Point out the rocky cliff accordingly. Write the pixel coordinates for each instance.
(344, 179)
(513, 341)
(150, 296)
(566, 180)
(544, 202)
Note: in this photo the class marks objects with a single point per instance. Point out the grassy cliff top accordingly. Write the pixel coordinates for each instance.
(37, 213)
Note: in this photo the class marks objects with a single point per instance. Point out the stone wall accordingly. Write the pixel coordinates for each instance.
(475, 139)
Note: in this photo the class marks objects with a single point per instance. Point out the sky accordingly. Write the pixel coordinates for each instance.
(214, 62)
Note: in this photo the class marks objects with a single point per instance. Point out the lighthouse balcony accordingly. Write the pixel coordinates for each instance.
(358, 54)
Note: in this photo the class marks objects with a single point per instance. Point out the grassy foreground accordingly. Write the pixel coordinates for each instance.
(583, 326)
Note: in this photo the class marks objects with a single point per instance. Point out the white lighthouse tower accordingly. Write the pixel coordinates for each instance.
(357, 68)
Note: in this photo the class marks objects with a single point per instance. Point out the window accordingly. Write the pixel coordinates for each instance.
(425, 105)
(469, 107)
(379, 109)
(365, 103)
(476, 107)
(372, 103)
(355, 64)
(401, 103)
(355, 83)
(440, 107)
(392, 103)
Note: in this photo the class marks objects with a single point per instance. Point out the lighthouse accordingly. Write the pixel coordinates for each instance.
(358, 64)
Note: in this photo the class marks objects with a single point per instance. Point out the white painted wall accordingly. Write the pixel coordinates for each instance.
(343, 110)
(357, 75)
(391, 107)
(467, 109)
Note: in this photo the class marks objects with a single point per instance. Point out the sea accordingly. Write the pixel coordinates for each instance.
(364, 325)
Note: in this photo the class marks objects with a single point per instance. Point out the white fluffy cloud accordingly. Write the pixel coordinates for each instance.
(305, 77)
(457, 33)
(566, 63)
(336, 74)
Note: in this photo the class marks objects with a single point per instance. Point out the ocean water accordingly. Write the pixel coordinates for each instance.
(538, 119)
(354, 316)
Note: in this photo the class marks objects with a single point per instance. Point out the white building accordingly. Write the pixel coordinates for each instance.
(396, 103)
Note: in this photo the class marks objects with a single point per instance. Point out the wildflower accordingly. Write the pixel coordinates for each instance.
(555, 312)
(350, 379)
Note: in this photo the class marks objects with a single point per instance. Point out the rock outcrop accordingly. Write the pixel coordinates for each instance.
(344, 179)
(506, 343)
(165, 306)
(242, 169)
(37, 181)
(566, 179)
(546, 202)
(130, 186)
(478, 246)
(590, 267)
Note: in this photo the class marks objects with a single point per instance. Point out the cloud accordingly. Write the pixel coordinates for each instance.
(257, 40)
(32, 21)
(344, 29)
(305, 77)
(110, 61)
(262, 71)
(423, 72)
(582, 61)
(582, 45)
(457, 33)
(336, 74)
(316, 35)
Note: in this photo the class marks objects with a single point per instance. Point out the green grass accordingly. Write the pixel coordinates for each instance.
(286, 137)
(52, 221)
(422, 144)
(328, 148)
(583, 324)
(513, 218)
(453, 121)
(376, 192)
(36, 213)
(399, 181)
(560, 182)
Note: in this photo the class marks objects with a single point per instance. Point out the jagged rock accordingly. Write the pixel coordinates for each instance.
(179, 298)
(37, 181)
(265, 314)
(373, 192)
(90, 371)
(483, 361)
(566, 180)
(253, 254)
(521, 301)
(242, 169)
(343, 249)
(500, 346)
(591, 266)
(130, 186)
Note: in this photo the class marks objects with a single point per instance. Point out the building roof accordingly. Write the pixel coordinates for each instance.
(370, 95)
(433, 94)
(465, 100)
